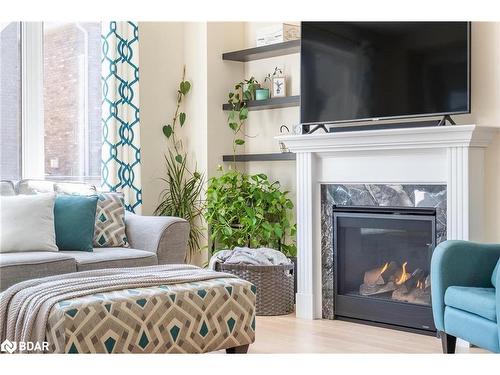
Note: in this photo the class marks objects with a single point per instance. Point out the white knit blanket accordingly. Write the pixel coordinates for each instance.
(25, 307)
(262, 256)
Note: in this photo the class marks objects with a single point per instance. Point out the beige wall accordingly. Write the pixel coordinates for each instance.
(164, 49)
(222, 76)
(161, 54)
(486, 112)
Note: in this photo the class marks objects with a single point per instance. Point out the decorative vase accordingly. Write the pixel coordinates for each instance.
(261, 94)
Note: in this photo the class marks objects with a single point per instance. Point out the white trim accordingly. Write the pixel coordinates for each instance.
(33, 155)
(409, 138)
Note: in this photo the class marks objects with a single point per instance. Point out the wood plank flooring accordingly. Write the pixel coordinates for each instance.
(287, 334)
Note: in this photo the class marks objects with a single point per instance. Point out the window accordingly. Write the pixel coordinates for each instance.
(58, 89)
(10, 101)
(72, 100)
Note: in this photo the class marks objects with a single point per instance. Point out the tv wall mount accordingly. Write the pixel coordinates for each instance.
(310, 129)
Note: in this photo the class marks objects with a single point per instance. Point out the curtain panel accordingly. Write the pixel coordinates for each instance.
(121, 151)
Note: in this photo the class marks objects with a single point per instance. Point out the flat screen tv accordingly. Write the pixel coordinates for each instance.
(357, 71)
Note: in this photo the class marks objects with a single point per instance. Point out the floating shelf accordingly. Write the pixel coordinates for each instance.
(264, 52)
(278, 156)
(272, 103)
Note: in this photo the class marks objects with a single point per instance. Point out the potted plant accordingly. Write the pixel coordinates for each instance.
(269, 78)
(249, 210)
(248, 88)
(182, 196)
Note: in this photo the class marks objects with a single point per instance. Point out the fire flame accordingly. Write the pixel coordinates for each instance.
(384, 268)
(404, 275)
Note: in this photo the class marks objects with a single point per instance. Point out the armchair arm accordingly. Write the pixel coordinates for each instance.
(459, 263)
(166, 236)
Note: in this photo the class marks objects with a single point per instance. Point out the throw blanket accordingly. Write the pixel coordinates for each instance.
(262, 256)
(25, 307)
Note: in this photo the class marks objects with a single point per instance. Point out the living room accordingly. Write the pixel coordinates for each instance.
(290, 182)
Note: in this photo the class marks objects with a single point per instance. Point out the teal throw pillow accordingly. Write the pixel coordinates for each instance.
(74, 218)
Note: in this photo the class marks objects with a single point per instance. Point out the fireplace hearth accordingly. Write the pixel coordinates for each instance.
(381, 265)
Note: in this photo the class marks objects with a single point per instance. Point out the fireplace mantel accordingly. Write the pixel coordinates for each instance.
(451, 155)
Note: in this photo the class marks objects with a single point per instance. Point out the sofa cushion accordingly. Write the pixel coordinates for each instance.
(17, 267)
(479, 301)
(74, 221)
(112, 257)
(7, 188)
(494, 275)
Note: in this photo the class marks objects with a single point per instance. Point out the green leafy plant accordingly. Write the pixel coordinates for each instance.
(183, 195)
(249, 210)
(243, 92)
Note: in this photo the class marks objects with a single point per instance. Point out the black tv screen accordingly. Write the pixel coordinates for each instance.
(355, 71)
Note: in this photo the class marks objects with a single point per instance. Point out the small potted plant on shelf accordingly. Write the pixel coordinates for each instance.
(270, 79)
(248, 89)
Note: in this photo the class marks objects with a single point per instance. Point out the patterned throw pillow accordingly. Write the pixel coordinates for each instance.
(110, 221)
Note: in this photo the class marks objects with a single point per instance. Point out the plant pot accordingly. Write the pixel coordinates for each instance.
(274, 286)
(256, 86)
(261, 94)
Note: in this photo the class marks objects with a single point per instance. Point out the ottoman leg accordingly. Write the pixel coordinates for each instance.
(243, 349)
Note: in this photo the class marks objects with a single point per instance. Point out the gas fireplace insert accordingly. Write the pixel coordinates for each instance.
(382, 261)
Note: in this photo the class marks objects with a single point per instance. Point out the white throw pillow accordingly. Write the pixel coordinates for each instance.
(27, 223)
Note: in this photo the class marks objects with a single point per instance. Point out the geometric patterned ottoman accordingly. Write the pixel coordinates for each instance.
(195, 317)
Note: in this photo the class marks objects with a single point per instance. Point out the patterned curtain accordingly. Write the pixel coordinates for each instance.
(121, 151)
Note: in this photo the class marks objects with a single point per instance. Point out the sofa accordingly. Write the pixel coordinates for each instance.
(466, 294)
(152, 240)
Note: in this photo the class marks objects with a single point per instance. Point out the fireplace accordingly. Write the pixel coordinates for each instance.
(381, 265)
(439, 167)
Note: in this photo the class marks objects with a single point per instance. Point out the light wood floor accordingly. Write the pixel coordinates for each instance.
(287, 334)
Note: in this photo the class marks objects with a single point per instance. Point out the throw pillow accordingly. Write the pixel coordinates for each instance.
(74, 221)
(110, 221)
(27, 223)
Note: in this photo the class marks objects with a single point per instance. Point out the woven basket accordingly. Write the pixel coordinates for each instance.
(275, 295)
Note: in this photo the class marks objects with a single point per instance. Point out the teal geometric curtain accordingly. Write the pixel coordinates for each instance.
(121, 150)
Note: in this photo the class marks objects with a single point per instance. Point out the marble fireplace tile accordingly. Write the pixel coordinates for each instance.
(402, 195)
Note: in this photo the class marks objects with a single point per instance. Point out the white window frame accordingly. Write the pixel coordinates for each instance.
(32, 105)
(32, 119)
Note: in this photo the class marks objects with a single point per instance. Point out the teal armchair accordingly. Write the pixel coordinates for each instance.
(465, 291)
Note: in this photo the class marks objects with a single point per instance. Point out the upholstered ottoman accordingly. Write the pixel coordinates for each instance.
(193, 317)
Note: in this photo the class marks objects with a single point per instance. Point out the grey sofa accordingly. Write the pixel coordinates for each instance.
(153, 240)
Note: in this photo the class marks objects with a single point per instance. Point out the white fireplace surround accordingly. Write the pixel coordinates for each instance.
(451, 155)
